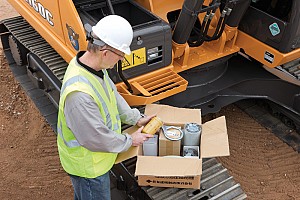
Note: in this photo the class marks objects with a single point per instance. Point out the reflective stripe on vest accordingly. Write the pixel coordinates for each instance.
(71, 143)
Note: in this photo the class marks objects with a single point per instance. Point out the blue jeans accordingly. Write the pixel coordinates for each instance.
(91, 188)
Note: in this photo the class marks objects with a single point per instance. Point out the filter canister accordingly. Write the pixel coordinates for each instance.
(192, 133)
(153, 126)
(150, 147)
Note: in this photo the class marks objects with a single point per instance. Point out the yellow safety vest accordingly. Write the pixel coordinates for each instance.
(75, 159)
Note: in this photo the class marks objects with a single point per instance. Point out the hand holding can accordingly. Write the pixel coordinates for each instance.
(153, 126)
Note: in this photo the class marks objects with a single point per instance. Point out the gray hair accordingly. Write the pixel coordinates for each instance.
(94, 47)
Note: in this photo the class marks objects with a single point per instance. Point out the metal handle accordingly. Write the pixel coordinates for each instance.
(165, 131)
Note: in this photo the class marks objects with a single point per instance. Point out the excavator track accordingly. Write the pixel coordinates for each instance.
(28, 37)
(293, 68)
(272, 119)
(216, 183)
(289, 72)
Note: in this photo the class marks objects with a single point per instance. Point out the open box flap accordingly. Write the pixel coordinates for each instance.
(168, 166)
(174, 115)
(214, 138)
(132, 151)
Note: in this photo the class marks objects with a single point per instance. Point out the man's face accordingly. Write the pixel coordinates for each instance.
(110, 57)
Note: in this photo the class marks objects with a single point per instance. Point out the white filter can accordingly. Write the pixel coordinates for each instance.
(192, 133)
(150, 146)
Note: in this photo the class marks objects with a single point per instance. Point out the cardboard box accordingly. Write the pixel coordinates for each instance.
(177, 171)
(168, 147)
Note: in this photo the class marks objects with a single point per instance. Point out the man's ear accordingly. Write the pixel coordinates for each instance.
(104, 53)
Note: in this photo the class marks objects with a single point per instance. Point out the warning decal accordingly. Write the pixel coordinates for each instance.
(137, 57)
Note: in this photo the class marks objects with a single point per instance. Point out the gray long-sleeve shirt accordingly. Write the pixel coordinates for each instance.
(84, 119)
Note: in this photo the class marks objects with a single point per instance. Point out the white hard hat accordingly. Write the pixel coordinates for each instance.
(115, 31)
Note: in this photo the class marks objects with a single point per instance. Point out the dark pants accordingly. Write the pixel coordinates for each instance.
(91, 188)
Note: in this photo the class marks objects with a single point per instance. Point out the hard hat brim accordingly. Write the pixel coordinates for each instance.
(127, 51)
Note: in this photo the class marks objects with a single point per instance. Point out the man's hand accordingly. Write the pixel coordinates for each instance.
(138, 138)
(144, 120)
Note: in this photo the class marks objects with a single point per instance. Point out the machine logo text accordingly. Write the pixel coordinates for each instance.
(44, 12)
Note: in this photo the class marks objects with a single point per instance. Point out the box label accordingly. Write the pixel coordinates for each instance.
(170, 181)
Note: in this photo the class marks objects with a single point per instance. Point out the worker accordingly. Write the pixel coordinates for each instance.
(91, 111)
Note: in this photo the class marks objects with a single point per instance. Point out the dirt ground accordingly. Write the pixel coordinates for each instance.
(265, 167)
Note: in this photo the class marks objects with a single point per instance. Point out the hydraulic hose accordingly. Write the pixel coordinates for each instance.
(202, 33)
(235, 9)
(223, 26)
(199, 32)
(220, 26)
(119, 64)
(120, 72)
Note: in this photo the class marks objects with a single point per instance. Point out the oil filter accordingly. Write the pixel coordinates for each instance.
(192, 133)
(150, 147)
(153, 126)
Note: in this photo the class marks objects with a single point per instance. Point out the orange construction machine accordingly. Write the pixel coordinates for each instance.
(186, 53)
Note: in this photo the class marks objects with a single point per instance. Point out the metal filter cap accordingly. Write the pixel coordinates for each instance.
(193, 128)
